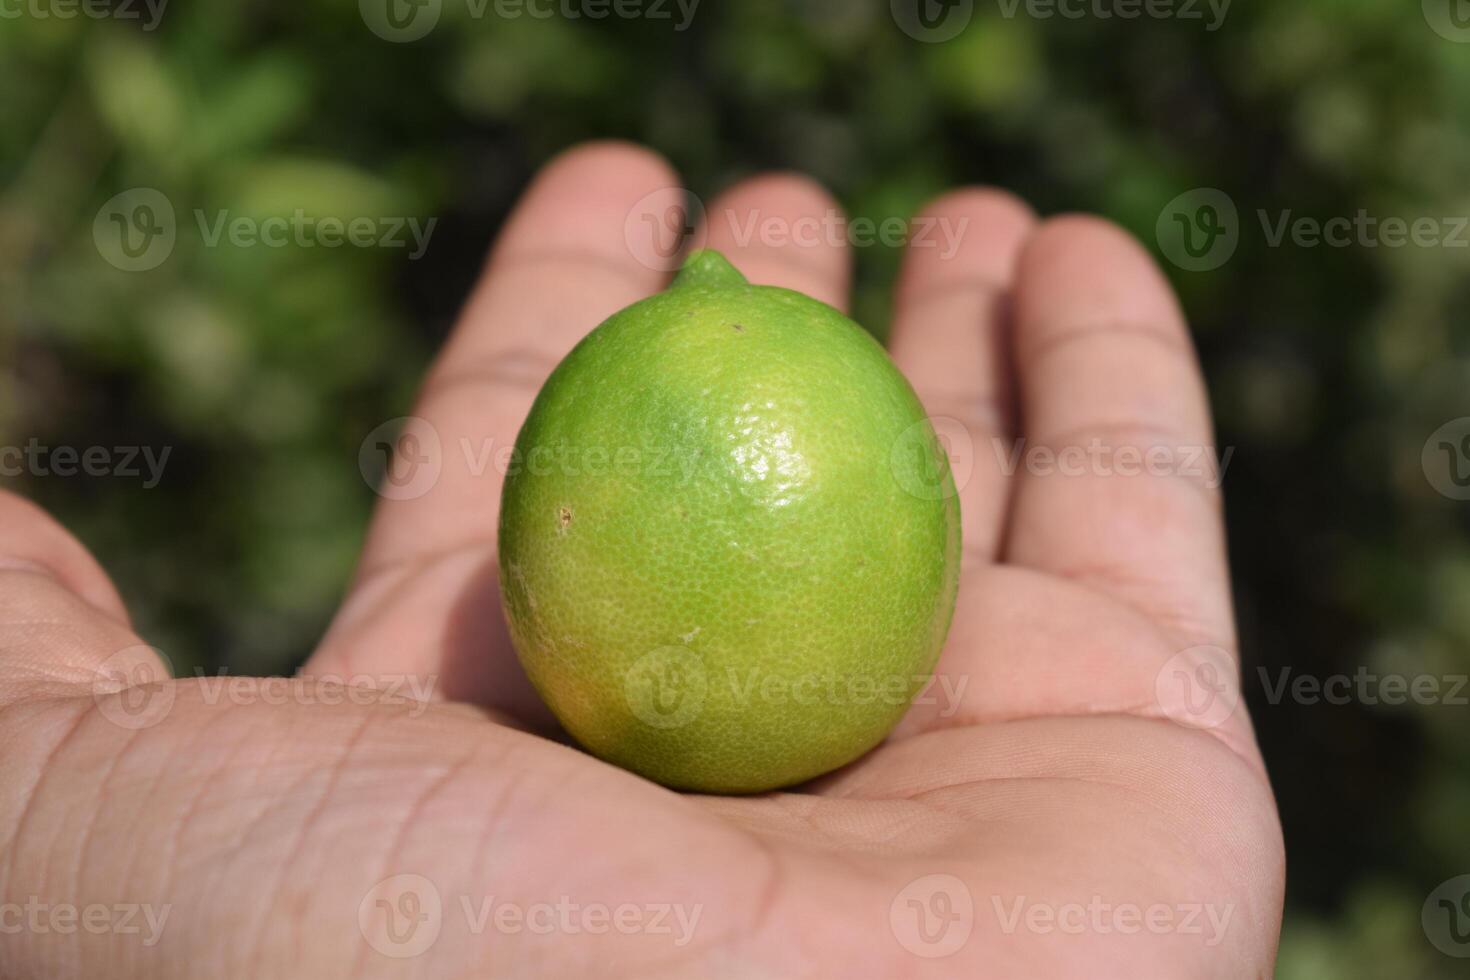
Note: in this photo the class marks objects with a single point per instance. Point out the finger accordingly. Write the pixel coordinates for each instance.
(783, 230)
(29, 535)
(1116, 487)
(425, 600)
(950, 339)
(561, 267)
(62, 625)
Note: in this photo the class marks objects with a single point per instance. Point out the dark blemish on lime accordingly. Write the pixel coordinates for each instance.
(738, 326)
(564, 517)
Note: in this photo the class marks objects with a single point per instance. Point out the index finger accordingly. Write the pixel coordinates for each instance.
(424, 603)
(561, 267)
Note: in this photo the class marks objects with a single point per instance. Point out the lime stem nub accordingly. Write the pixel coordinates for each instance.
(706, 267)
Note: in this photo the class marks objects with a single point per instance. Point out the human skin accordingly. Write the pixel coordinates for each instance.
(1045, 775)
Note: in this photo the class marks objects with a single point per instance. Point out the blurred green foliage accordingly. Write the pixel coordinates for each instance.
(263, 368)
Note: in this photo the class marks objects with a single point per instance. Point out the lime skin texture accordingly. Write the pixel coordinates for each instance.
(729, 538)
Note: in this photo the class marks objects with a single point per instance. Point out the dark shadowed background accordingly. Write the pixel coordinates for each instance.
(1300, 169)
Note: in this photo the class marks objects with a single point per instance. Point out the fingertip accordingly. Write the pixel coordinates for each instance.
(588, 200)
(963, 236)
(784, 191)
(997, 207)
(1083, 272)
(609, 162)
(1082, 240)
(783, 229)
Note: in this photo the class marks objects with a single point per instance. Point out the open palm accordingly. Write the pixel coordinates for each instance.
(1079, 795)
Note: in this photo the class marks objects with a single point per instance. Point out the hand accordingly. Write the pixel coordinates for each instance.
(1041, 816)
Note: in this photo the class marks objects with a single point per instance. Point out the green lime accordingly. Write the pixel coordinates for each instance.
(729, 538)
